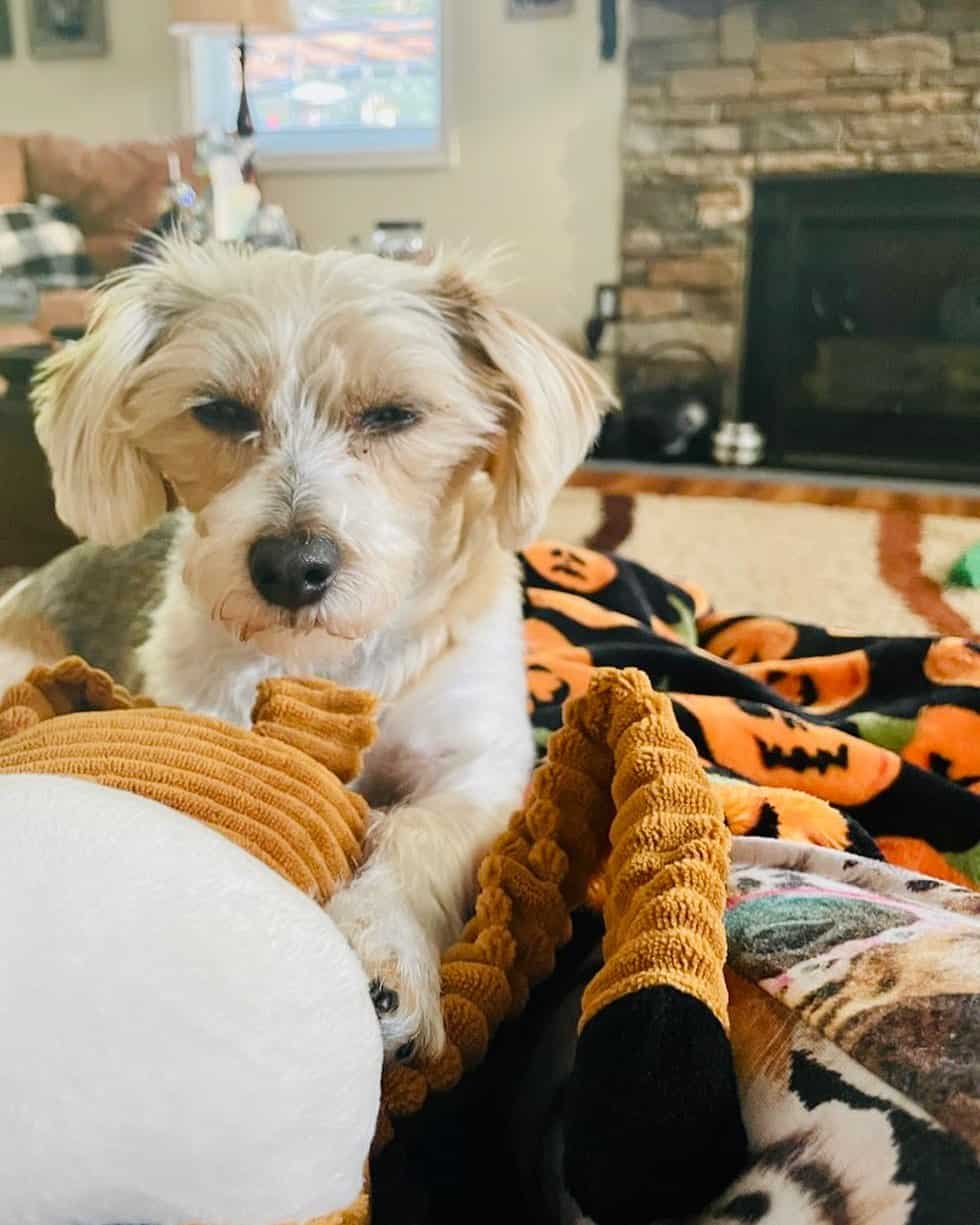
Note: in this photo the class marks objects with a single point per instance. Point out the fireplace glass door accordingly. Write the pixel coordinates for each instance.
(863, 341)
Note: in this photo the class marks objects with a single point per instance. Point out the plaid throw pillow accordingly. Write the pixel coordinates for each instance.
(42, 242)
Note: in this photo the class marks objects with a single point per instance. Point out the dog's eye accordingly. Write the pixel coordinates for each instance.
(227, 417)
(387, 419)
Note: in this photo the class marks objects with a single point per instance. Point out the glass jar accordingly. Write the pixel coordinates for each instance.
(398, 239)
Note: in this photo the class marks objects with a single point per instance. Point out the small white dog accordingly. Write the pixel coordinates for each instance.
(356, 447)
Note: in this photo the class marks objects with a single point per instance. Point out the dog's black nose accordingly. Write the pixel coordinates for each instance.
(292, 571)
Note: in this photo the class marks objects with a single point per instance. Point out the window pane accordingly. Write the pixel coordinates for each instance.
(361, 76)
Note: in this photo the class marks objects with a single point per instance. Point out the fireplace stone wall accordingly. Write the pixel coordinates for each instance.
(723, 92)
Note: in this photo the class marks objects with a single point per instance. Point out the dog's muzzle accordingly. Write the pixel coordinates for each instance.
(293, 571)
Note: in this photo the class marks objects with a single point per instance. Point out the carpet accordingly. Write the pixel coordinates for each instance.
(866, 560)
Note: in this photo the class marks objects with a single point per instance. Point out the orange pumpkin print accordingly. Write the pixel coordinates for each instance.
(953, 661)
(578, 609)
(946, 741)
(556, 670)
(750, 640)
(821, 684)
(769, 746)
(918, 856)
(581, 570)
(663, 630)
(699, 597)
(793, 815)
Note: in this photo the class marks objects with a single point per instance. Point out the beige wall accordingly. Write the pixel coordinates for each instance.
(132, 92)
(536, 118)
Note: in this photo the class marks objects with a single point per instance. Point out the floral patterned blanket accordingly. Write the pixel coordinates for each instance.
(849, 769)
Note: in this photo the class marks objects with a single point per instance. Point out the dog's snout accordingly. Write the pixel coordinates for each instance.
(292, 571)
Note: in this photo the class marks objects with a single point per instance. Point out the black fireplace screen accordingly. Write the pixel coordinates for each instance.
(863, 344)
(894, 314)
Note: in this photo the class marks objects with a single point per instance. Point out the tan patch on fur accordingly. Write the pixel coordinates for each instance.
(25, 631)
(197, 464)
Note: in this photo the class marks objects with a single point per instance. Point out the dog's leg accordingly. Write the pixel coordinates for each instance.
(410, 903)
(459, 751)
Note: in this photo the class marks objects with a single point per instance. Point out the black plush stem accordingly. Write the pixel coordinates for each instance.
(653, 1127)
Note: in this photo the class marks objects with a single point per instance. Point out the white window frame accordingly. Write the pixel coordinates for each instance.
(445, 156)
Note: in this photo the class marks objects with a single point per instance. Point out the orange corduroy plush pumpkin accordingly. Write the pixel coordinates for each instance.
(620, 792)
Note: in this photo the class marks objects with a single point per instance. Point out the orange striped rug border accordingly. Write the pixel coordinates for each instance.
(859, 497)
(899, 513)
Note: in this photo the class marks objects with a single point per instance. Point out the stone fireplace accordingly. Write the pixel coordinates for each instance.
(752, 130)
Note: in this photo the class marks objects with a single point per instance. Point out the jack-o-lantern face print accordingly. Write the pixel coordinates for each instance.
(567, 566)
(748, 640)
(953, 661)
(556, 670)
(821, 684)
(946, 741)
(769, 746)
(576, 608)
(780, 812)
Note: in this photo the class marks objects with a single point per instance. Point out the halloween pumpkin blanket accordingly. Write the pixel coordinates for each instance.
(854, 982)
(849, 769)
(813, 734)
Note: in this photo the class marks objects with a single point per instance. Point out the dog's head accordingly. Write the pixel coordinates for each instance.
(318, 415)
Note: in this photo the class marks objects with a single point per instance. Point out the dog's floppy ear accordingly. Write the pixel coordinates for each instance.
(105, 488)
(550, 402)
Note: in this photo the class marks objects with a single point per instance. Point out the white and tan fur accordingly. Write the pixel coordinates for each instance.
(425, 606)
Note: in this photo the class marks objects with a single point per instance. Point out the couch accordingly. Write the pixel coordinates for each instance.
(114, 191)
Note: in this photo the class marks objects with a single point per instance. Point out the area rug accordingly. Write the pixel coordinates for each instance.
(865, 560)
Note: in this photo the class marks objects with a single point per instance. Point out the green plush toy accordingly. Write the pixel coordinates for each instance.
(966, 570)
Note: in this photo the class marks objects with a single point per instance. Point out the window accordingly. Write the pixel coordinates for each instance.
(360, 82)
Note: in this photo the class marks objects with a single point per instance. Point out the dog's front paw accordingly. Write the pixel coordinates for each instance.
(401, 962)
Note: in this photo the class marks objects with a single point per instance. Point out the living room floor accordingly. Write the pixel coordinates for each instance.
(868, 556)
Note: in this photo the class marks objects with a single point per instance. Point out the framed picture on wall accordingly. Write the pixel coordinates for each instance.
(522, 10)
(67, 29)
(6, 32)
